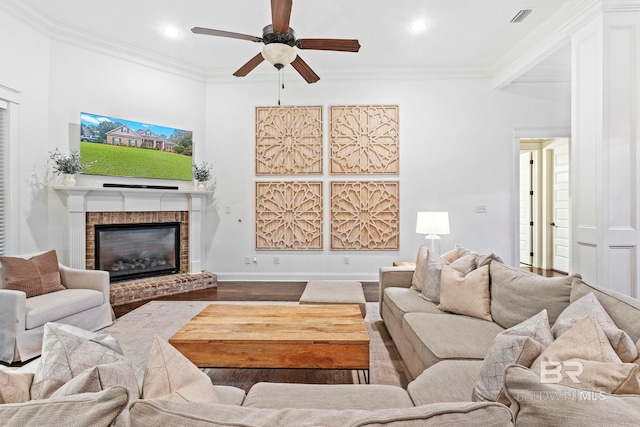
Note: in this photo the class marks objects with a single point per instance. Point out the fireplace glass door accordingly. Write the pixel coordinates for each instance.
(133, 251)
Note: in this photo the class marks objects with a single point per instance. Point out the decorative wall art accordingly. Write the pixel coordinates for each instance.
(288, 140)
(365, 215)
(289, 215)
(364, 139)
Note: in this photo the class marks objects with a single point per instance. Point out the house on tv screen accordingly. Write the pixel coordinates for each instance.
(143, 138)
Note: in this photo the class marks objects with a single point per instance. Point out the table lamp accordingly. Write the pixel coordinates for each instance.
(433, 224)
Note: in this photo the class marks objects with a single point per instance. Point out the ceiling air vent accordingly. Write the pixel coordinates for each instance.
(520, 16)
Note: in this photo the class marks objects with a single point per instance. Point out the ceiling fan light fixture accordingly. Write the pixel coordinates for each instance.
(278, 54)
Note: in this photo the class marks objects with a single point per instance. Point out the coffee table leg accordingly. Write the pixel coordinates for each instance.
(365, 373)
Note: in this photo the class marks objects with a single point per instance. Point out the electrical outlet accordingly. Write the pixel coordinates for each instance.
(247, 260)
(227, 210)
(346, 260)
(276, 260)
(481, 209)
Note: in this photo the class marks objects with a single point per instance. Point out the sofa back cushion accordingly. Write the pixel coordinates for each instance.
(624, 311)
(88, 409)
(154, 413)
(517, 295)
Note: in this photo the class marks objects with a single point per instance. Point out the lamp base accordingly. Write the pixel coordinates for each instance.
(432, 242)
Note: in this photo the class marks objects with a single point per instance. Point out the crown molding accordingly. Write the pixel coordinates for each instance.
(389, 74)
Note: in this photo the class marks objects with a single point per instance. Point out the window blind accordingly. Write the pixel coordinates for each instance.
(4, 205)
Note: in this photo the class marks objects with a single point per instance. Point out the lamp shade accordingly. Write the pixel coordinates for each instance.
(433, 223)
(279, 53)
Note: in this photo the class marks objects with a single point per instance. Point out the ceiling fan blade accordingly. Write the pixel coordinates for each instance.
(280, 15)
(342, 45)
(250, 65)
(305, 71)
(229, 34)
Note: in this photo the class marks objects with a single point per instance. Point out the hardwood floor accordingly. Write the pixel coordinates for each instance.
(542, 272)
(245, 291)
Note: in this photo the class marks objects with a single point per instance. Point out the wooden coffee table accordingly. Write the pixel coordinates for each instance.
(276, 336)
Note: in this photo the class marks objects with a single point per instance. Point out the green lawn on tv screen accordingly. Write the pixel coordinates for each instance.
(115, 160)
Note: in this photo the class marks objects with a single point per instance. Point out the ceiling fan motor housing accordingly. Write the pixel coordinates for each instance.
(269, 36)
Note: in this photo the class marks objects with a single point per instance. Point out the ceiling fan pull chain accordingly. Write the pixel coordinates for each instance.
(279, 71)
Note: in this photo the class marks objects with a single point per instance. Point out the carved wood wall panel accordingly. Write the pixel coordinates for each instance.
(364, 139)
(289, 215)
(365, 215)
(288, 140)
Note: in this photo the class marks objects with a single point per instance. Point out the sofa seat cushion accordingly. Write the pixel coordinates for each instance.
(403, 300)
(438, 337)
(154, 413)
(322, 396)
(58, 305)
(446, 381)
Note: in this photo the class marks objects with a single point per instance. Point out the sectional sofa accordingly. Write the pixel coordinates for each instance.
(499, 347)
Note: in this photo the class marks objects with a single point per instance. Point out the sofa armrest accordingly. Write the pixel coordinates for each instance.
(73, 278)
(394, 277)
(12, 321)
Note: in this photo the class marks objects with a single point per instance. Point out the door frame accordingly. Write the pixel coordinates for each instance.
(518, 134)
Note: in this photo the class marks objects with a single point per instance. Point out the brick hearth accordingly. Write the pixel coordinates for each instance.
(154, 287)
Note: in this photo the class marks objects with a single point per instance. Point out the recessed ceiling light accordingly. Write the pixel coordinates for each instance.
(418, 26)
(171, 32)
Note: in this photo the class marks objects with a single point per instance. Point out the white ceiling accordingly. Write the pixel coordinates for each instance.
(463, 35)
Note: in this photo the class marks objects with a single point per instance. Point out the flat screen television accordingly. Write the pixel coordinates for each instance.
(121, 147)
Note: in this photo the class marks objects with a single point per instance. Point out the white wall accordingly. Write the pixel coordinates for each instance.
(24, 70)
(455, 153)
(456, 148)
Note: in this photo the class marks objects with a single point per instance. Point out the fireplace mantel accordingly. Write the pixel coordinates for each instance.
(80, 200)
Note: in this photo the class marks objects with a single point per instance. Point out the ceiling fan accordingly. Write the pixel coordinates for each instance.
(279, 40)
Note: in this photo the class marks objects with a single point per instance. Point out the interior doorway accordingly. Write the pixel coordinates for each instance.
(544, 203)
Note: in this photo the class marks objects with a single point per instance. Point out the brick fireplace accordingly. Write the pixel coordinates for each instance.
(89, 206)
(114, 218)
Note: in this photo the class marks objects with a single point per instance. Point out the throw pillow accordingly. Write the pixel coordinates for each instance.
(432, 268)
(586, 340)
(521, 345)
(468, 295)
(516, 295)
(14, 386)
(418, 273)
(35, 276)
(170, 375)
(481, 259)
(542, 404)
(104, 377)
(589, 305)
(105, 340)
(64, 356)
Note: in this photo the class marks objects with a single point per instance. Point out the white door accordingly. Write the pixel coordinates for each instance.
(526, 212)
(561, 214)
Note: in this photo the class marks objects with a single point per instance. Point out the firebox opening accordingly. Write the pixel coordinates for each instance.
(133, 251)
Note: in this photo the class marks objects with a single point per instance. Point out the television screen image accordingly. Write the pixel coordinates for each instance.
(120, 147)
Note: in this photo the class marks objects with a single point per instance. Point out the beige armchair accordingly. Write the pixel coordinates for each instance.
(83, 303)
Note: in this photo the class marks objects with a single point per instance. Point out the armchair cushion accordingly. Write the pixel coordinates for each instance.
(35, 276)
(52, 307)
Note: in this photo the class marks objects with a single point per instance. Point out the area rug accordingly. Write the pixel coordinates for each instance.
(135, 330)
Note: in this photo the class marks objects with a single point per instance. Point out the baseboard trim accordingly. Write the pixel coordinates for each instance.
(294, 277)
